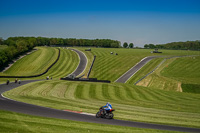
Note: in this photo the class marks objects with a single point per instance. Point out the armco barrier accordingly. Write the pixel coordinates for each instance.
(86, 80)
(91, 66)
(37, 74)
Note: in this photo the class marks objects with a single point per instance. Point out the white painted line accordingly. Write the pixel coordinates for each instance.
(78, 63)
(88, 114)
(8, 98)
(86, 62)
(131, 68)
(137, 70)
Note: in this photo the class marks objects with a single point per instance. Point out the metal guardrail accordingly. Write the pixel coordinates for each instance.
(91, 66)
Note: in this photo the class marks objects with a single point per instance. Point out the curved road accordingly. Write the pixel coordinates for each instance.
(20, 107)
(82, 63)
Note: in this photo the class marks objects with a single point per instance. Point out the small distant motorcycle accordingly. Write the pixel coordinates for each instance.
(105, 114)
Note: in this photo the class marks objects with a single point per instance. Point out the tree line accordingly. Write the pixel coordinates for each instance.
(126, 45)
(14, 49)
(19, 45)
(188, 45)
(41, 41)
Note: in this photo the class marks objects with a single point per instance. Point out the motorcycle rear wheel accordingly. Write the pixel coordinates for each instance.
(111, 115)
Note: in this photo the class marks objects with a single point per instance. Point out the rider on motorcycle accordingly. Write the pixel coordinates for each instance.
(107, 107)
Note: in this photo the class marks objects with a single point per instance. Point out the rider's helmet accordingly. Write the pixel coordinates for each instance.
(107, 103)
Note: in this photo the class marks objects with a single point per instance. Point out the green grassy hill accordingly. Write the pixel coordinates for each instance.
(176, 74)
(131, 102)
(135, 103)
(150, 66)
(35, 63)
(185, 70)
(66, 64)
(110, 66)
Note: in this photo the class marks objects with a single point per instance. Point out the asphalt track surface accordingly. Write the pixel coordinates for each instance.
(25, 108)
(82, 63)
(134, 69)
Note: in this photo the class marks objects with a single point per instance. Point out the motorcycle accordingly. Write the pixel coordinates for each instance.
(105, 114)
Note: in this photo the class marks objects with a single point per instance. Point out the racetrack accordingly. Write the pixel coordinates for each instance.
(20, 107)
(82, 63)
(134, 69)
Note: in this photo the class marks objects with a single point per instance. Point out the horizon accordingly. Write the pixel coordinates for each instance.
(137, 22)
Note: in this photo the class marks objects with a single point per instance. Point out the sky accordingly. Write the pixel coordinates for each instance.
(133, 21)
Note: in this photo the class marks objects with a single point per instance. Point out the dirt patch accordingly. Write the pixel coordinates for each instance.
(145, 82)
(179, 88)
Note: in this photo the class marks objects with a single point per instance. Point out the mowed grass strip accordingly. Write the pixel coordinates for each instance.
(176, 74)
(66, 64)
(133, 103)
(35, 63)
(186, 69)
(16, 122)
(150, 66)
(109, 66)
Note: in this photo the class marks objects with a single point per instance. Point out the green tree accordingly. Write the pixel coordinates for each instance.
(22, 46)
(125, 45)
(1, 41)
(131, 45)
(152, 46)
(146, 46)
(114, 45)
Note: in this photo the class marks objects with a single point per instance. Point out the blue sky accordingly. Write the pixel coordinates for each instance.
(137, 21)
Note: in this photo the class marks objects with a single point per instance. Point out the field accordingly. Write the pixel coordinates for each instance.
(35, 63)
(15, 122)
(131, 102)
(153, 100)
(145, 70)
(66, 64)
(179, 74)
(110, 66)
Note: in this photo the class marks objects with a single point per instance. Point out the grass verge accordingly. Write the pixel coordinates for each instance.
(16, 122)
(35, 63)
(176, 74)
(133, 103)
(67, 63)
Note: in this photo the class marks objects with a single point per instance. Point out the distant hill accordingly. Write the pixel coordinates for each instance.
(191, 45)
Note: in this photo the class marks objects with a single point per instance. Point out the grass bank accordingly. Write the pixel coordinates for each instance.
(16, 122)
(131, 102)
(109, 66)
(176, 74)
(67, 63)
(35, 63)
